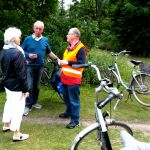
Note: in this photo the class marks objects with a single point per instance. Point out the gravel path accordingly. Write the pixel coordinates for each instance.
(137, 125)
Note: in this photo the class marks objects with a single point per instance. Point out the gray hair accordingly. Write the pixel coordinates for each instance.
(76, 31)
(38, 22)
(10, 35)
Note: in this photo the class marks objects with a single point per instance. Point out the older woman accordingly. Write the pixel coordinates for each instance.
(15, 83)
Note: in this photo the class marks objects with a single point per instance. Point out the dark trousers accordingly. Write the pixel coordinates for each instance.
(34, 74)
(71, 96)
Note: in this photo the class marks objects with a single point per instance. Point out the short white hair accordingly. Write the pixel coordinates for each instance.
(39, 23)
(76, 31)
(10, 35)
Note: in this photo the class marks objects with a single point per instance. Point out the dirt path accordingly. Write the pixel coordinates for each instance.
(138, 126)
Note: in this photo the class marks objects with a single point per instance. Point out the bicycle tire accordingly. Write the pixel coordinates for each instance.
(142, 92)
(61, 96)
(45, 77)
(91, 137)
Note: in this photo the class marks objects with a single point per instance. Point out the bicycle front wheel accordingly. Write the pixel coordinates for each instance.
(141, 88)
(114, 129)
(92, 137)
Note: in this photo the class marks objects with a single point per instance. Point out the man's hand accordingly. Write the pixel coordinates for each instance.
(32, 56)
(63, 62)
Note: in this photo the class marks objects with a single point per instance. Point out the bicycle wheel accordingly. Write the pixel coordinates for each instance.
(141, 88)
(114, 129)
(91, 137)
(61, 96)
(87, 139)
(45, 77)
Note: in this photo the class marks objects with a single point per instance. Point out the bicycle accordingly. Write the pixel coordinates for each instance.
(51, 77)
(130, 143)
(139, 83)
(103, 133)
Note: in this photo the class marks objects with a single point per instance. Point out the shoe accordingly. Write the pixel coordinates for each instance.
(26, 111)
(63, 115)
(22, 137)
(72, 125)
(37, 106)
(6, 129)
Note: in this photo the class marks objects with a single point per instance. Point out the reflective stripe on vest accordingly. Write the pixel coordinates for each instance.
(72, 71)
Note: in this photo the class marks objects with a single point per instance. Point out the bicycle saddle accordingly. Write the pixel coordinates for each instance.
(136, 62)
(130, 143)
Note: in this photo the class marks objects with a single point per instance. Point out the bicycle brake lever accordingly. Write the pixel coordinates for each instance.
(116, 104)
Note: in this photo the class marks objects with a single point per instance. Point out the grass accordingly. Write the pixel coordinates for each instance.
(46, 136)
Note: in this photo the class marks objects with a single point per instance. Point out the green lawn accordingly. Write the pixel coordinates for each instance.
(47, 136)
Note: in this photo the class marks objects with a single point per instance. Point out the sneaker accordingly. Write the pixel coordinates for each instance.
(22, 137)
(72, 125)
(63, 115)
(37, 106)
(26, 111)
(6, 129)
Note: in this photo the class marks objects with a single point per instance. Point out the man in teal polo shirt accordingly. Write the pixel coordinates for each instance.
(35, 47)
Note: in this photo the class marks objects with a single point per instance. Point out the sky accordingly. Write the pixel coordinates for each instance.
(67, 3)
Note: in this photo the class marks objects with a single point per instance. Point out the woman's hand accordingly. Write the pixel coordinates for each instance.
(26, 94)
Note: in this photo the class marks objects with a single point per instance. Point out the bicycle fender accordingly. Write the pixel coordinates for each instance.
(82, 133)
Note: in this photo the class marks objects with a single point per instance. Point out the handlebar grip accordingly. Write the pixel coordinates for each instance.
(81, 65)
(102, 103)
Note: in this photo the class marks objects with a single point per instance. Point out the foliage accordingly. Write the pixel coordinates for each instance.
(130, 23)
(105, 24)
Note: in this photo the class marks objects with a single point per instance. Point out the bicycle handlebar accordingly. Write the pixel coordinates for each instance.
(110, 97)
(104, 83)
(122, 52)
(81, 65)
(102, 103)
(106, 80)
(89, 64)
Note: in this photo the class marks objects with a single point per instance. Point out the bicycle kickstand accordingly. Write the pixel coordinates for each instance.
(129, 97)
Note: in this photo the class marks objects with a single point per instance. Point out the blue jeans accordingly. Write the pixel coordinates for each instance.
(34, 74)
(71, 97)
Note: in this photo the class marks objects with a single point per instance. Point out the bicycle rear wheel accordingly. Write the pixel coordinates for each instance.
(61, 96)
(141, 88)
(93, 139)
(45, 77)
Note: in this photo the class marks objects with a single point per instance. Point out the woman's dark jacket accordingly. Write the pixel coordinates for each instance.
(14, 70)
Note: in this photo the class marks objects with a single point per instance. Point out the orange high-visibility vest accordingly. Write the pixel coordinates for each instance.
(71, 56)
